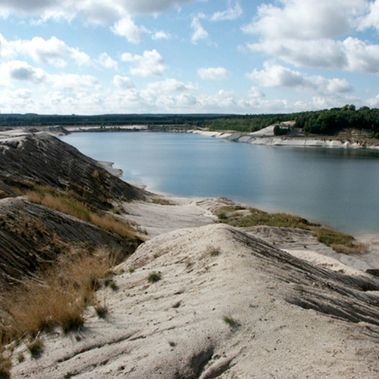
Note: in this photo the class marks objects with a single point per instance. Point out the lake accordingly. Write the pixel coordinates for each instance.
(335, 186)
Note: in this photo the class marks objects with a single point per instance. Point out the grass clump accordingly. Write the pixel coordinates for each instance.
(154, 277)
(36, 348)
(101, 311)
(67, 203)
(339, 242)
(161, 201)
(234, 324)
(213, 251)
(5, 365)
(255, 217)
(55, 298)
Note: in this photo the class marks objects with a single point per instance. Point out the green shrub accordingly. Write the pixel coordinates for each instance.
(154, 277)
(36, 348)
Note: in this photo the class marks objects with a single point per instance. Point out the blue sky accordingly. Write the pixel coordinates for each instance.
(170, 56)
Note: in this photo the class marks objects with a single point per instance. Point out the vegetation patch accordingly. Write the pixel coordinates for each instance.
(154, 277)
(213, 251)
(101, 311)
(234, 324)
(162, 201)
(54, 298)
(67, 203)
(254, 217)
(36, 348)
(339, 242)
(5, 365)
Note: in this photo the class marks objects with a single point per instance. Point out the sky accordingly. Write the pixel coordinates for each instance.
(187, 56)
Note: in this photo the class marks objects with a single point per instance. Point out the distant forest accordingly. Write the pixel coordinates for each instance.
(325, 122)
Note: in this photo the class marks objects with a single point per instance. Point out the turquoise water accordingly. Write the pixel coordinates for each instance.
(333, 186)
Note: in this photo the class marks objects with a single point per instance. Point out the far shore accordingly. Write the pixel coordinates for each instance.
(256, 138)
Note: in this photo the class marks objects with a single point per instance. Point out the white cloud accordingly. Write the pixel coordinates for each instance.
(122, 82)
(273, 75)
(52, 51)
(199, 32)
(161, 35)
(212, 73)
(148, 64)
(168, 86)
(350, 54)
(374, 101)
(91, 10)
(308, 33)
(371, 19)
(126, 27)
(106, 61)
(232, 13)
(306, 19)
(21, 71)
(74, 82)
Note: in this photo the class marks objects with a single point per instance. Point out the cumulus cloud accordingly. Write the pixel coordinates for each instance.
(91, 10)
(126, 27)
(306, 19)
(273, 75)
(52, 51)
(168, 86)
(148, 64)
(107, 61)
(122, 82)
(213, 73)
(21, 71)
(350, 54)
(374, 101)
(199, 32)
(233, 12)
(308, 33)
(371, 19)
(161, 35)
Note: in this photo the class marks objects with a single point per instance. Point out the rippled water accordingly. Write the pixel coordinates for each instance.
(334, 186)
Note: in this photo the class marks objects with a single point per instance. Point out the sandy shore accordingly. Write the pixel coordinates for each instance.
(271, 140)
(178, 213)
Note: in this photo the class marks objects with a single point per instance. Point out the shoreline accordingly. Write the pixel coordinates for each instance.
(255, 138)
(322, 142)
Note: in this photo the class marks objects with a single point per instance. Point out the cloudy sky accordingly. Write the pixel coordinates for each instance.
(239, 56)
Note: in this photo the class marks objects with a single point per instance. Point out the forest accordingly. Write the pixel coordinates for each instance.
(324, 122)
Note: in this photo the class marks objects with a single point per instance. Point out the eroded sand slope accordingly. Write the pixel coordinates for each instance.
(229, 306)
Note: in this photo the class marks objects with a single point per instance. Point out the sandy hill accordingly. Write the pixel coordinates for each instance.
(28, 159)
(227, 305)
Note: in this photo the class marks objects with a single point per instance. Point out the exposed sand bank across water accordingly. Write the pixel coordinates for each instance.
(261, 138)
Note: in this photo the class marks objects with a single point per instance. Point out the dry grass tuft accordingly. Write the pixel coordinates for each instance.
(56, 298)
(162, 201)
(5, 365)
(68, 204)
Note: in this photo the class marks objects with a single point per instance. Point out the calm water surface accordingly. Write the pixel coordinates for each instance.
(336, 187)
